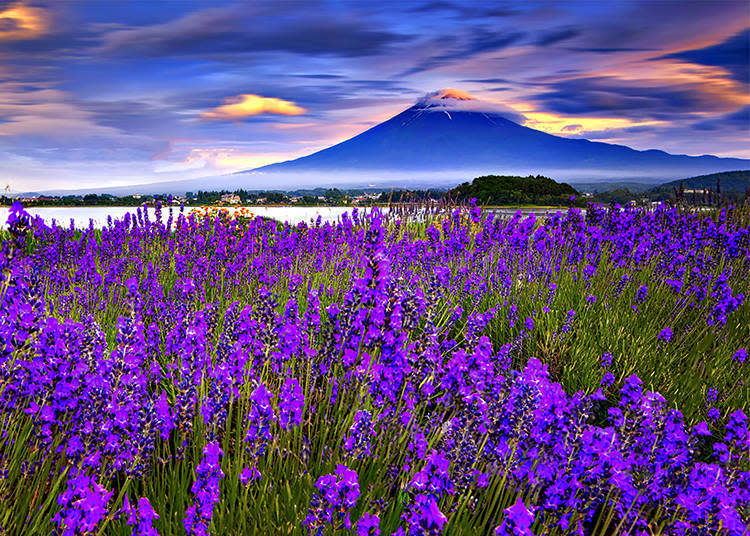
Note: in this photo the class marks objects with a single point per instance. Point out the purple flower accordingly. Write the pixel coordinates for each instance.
(434, 479)
(665, 335)
(641, 294)
(336, 495)
(249, 475)
(424, 516)
(737, 431)
(368, 525)
(206, 491)
(740, 356)
(568, 321)
(632, 391)
(83, 504)
(518, 520)
(608, 379)
(357, 441)
(140, 517)
(702, 429)
(291, 404)
(260, 418)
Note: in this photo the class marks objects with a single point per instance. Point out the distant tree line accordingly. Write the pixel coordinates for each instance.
(715, 189)
(706, 190)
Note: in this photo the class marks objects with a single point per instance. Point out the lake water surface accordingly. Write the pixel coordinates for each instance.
(82, 215)
(292, 215)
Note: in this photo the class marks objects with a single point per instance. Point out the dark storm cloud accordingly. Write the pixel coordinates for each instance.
(732, 54)
(739, 120)
(485, 41)
(320, 76)
(610, 50)
(465, 10)
(481, 40)
(134, 116)
(226, 31)
(435, 6)
(488, 81)
(556, 36)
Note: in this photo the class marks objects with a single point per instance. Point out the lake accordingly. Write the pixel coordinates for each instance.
(293, 215)
(82, 215)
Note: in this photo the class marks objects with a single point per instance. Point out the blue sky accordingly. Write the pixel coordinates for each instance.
(114, 93)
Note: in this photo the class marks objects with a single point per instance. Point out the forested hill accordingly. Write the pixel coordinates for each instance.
(729, 181)
(504, 189)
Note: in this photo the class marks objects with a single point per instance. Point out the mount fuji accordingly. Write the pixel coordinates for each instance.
(450, 136)
(446, 138)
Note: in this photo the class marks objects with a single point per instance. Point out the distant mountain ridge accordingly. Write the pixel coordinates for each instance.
(729, 181)
(450, 131)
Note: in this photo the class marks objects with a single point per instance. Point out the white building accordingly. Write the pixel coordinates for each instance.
(231, 199)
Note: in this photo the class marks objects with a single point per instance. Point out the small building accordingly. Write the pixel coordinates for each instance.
(232, 199)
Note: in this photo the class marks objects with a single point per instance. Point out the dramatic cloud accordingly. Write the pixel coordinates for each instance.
(242, 29)
(20, 21)
(680, 91)
(480, 41)
(739, 120)
(248, 105)
(557, 36)
(732, 54)
(44, 112)
(562, 125)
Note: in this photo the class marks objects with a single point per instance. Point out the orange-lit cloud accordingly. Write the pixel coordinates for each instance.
(561, 125)
(452, 93)
(20, 21)
(247, 105)
(711, 89)
(713, 83)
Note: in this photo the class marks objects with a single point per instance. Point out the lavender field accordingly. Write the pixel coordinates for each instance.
(434, 372)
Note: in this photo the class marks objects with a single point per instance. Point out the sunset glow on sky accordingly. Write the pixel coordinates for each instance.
(118, 93)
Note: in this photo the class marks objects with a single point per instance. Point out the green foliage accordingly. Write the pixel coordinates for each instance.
(506, 190)
(729, 181)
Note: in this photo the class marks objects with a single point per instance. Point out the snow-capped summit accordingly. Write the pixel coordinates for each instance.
(450, 100)
(446, 94)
